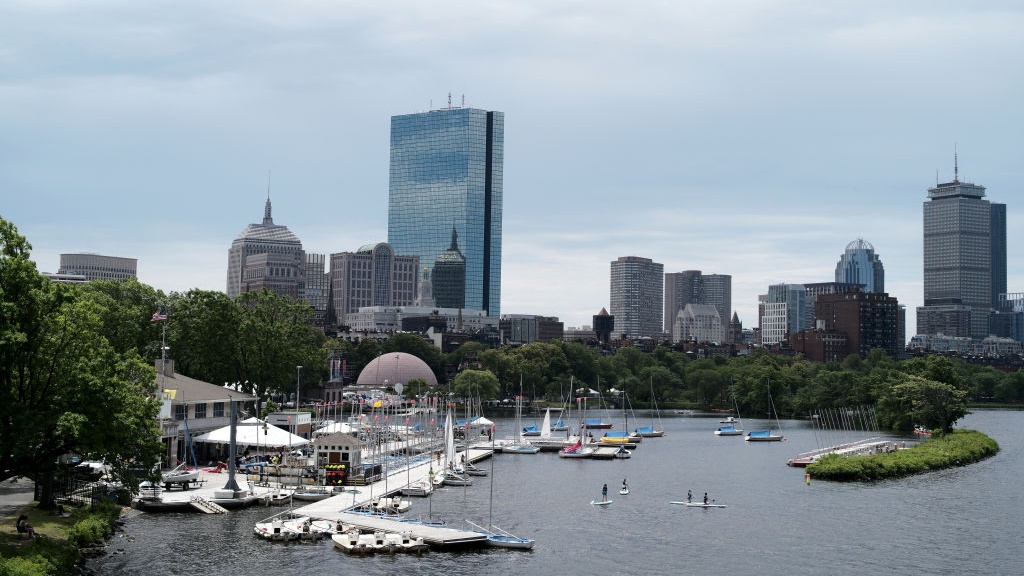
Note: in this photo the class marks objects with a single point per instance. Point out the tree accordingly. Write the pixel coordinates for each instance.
(475, 384)
(932, 404)
(274, 336)
(203, 336)
(63, 387)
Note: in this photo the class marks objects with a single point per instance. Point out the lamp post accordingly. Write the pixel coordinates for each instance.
(298, 379)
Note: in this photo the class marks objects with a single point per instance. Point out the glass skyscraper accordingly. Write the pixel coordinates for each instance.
(445, 173)
(860, 265)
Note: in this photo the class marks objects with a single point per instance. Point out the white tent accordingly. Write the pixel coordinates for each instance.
(480, 421)
(336, 427)
(254, 432)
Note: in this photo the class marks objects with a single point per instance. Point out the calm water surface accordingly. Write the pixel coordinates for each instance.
(965, 521)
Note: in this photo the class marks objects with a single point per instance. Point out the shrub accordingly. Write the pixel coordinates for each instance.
(954, 449)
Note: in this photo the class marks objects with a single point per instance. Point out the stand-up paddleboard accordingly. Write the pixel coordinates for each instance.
(697, 504)
(600, 503)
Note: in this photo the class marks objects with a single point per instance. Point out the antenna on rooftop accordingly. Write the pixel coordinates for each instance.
(268, 184)
(449, 100)
(956, 166)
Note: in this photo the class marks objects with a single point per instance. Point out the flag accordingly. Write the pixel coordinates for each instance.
(158, 316)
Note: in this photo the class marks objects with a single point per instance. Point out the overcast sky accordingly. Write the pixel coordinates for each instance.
(749, 138)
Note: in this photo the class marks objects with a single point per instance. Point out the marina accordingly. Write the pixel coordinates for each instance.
(772, 516)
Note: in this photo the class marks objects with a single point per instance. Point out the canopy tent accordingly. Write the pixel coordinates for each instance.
(480, 421)
(254, 432)
(333, 427)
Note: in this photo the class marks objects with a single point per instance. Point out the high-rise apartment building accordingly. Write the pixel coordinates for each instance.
(97, 267)
(964, 256)
(693, 287)
(374, 275)
(637, 296)
(860, 265)
(266, 255)
(446, 172)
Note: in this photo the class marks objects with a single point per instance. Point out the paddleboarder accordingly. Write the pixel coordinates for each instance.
(689, 496)
(604, 493)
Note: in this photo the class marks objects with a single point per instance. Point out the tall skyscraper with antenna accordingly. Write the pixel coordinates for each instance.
(964, 256)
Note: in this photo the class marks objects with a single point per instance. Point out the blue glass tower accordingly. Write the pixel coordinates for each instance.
(860, 265)
(445, 173)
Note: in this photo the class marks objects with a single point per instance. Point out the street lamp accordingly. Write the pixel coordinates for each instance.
(298, 379)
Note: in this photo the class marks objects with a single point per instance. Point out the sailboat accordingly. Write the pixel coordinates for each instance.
(547, 440)
(767, 435)
(654, 430)
(581, 448)
(451, 478)
(734, 428)
(518, 445)
(183, 474)
(496, 536)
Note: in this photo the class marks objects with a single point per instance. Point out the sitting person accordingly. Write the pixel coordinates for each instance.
(24, 527)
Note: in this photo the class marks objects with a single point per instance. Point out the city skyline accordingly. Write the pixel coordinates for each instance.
(755, 143)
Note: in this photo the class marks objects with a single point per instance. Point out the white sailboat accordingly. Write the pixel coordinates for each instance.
(735, 426)
(518, 445)
(655, 430)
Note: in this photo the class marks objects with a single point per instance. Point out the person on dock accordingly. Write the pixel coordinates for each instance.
(604, 493)
(689, 496)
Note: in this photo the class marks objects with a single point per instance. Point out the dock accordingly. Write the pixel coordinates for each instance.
(339, 508)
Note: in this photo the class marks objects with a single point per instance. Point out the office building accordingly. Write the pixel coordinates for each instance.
(693, 287)
(781, 311)
(964, 260)
(446, 173)
(449, 276)
(316, 291)
(637, 297)
(95, 267)
(372, 276)
(266, 255)
(861, 266)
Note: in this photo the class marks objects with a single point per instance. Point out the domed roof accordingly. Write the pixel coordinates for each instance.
(395, 367)
(859, 244)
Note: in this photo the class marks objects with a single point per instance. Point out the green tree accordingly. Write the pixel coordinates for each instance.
(475, 384)
(63, 387)
(930, 403)
(203, 336)
(274, 336)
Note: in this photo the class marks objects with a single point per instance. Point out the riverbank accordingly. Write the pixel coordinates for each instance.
(57, 548)
(959, 448)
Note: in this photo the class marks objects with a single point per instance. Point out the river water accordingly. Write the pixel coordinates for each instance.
(963, 521)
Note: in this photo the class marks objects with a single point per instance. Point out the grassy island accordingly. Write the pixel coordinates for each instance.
(958, 448)
(61, 541)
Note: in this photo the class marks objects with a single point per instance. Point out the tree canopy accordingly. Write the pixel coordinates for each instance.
(71, 378)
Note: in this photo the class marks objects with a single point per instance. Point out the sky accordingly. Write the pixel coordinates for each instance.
(754, 138)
